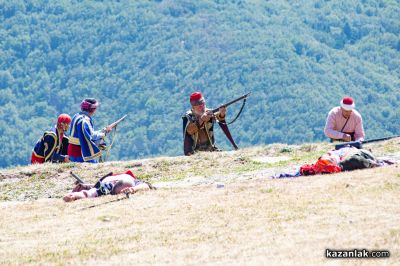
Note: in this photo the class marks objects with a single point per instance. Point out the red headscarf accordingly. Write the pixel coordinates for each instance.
(89, 104)
(64, 118)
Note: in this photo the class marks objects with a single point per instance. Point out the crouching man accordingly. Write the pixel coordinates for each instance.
(53, 145)
(111, 184)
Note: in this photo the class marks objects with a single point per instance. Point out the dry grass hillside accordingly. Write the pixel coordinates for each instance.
(212, 208)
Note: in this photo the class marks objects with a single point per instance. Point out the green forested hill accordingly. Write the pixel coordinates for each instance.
(144, 58)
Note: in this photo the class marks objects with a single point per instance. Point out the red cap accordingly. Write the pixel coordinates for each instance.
(196, 96)
(64, 118)
(347, 103)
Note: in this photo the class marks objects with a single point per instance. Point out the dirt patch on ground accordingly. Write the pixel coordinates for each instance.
(269, 159)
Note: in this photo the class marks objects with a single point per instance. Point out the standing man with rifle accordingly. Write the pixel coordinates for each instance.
(344, 123)
(198, 125)
(84, 140)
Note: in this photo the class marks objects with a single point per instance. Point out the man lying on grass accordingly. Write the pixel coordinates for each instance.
(110, 184)
(346, 158)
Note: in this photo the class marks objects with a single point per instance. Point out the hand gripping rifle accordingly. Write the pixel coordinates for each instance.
(359, 144)
(103, 144)
(115, 124)
(244, 98)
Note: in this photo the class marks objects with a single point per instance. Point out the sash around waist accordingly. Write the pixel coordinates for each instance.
(74, 141)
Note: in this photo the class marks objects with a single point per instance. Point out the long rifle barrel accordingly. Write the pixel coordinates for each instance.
(231, 102)
(117, 122)
(358, 144)
(380, 139)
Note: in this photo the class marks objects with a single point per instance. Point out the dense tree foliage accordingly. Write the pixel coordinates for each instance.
(144, 58)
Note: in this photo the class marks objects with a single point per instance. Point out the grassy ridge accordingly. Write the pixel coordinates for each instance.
(54, 180)
(252, 220)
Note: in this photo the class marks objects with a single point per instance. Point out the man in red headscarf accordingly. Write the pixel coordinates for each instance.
(344, 123)
(198, 125)
(52, 146)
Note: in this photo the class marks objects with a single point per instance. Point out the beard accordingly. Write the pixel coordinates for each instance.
(199, 112)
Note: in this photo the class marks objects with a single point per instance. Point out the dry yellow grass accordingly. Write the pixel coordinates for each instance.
(253, 220)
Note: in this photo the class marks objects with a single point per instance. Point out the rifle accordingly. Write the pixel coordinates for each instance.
(231, 102)
(115, 124)
(80, 181)
(359, 144)
(107, 202)
(102, 144)
(244, 98)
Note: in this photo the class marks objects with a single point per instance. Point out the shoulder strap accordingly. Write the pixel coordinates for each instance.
(225, 129)
(238, 114)
(345, 124)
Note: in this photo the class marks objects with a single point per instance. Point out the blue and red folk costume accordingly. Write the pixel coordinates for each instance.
(50, 147)
(83, 141)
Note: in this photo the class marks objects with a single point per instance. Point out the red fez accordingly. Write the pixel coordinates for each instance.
(195, 96)
(64, 118)
(347, 103)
